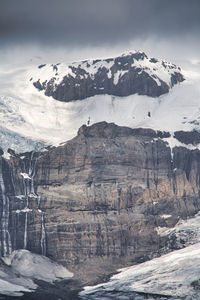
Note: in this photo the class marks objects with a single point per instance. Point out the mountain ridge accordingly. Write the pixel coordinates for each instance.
(128, 74)
(27, 112)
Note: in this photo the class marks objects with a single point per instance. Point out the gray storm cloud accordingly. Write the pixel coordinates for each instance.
(94, 21)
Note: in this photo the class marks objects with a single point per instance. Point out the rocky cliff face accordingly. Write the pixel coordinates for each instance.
(95, 203)
(121, 76)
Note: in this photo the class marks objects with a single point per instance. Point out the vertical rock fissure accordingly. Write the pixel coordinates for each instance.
(29, 194)
(6, 240)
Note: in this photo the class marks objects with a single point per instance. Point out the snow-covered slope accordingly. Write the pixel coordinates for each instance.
(175, 274)
(22, 267)
(35, 266)
(27, 112)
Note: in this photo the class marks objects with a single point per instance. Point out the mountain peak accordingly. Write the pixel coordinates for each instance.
(131, 73)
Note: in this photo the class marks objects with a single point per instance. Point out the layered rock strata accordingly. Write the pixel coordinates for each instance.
(95, 203)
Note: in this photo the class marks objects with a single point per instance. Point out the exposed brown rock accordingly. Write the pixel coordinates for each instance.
(102, 196)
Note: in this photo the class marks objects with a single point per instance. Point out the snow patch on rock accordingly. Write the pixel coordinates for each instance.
(36, 266)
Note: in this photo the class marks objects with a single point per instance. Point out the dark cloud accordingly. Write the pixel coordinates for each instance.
(96, 21)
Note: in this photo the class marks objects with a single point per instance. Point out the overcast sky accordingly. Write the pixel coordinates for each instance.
(73, 29)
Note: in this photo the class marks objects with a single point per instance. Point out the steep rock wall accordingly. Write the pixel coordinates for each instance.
(95, 202)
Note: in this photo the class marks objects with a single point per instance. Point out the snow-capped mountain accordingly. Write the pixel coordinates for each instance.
(28, 116)
(32, 118)
(125, 75)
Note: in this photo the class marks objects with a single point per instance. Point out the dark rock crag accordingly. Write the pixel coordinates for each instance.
(95, 202)
(132, 73)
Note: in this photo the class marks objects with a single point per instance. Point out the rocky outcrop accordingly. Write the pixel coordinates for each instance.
(125, 75)
(95, 202)
(188, 137)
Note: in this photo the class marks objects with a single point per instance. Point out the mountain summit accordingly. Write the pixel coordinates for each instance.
(128, 74)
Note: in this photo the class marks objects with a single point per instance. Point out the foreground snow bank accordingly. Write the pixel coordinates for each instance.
(24, 267)
(173, 274)
(36, 266)
(14, 286)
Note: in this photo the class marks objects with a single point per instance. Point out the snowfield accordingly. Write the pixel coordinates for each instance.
(35, 120)
(22, 267)
(35, 266)
(174, 274)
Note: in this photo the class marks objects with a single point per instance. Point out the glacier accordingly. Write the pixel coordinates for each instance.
(29, 119)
